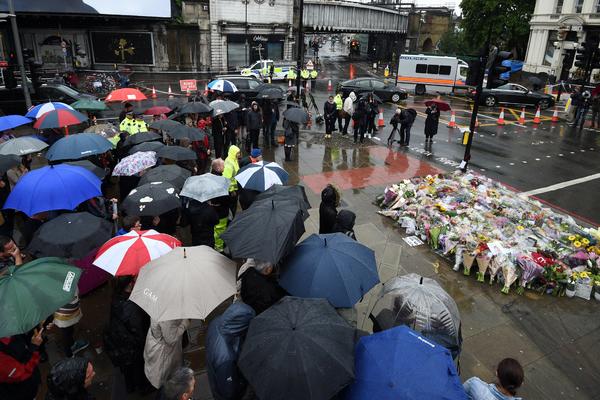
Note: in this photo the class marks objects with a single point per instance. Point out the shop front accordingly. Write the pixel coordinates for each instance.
(242, 50)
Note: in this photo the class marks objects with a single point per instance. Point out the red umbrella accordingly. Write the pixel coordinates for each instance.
(441, 105)
(157, 110)
(126, 254)
(60, 118)
(126, 94)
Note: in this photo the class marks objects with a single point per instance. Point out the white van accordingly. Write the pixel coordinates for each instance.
(431, 74)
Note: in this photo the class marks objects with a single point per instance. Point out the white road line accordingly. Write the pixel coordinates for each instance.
(561, 185)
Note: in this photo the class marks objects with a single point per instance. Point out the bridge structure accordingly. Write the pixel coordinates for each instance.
(322, 16)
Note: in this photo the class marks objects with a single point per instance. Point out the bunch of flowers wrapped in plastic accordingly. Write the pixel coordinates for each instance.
(491, 228)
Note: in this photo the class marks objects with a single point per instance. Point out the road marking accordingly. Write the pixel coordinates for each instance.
(561, 155)
(512, 163)
(537, 159)
(561, 185)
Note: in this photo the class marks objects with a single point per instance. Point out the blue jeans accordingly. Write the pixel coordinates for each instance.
(580, 116)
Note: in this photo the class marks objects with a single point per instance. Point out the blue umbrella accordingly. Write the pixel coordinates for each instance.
(37, 111)
(260, 176)
(399, 364)
(222, 85)
(331, 266)
(57, 187)
(12, 121)
(78, 146)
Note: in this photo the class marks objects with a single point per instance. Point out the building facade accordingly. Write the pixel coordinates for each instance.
(557, 29)
(426, 26)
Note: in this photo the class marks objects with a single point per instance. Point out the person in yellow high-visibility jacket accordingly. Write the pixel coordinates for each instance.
(140, 124)
(129, 124)
(305, 75)
(291, 75)
(313, 79)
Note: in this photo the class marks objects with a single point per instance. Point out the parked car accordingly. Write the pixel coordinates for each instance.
(12, 101)
(247, 85)
(512, 93)
(387, 92)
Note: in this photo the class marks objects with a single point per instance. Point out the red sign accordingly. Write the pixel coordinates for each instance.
(3, 64)
(188, 84)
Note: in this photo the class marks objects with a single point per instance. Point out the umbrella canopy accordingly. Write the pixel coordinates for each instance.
(270, 92)
(296, 114)
(223, 106)
(333, 266)
(126, 254)
(376, 98)
(298, 349)
(31, 292)
(279, 192)
(222, 85)
(441, 105)
(90, 166)
(78, 146)
(71, 235)
(106, 130)
(146, 146)
(22, 146)
(157, 110)
(173, 174)
(89, 105)
(399, 364)
(276, 227)
(188, 282)
(194, 107)
(260, 176)
(205, 187)
(141, 138)
(59, 119)
(151, 199)
(184, 131)
(37, 111)
(7, 161)
(135, 163)
(165, 124)
(127, 94)
(422, 304)
(12, 121)
(55, 187)
(176, 153)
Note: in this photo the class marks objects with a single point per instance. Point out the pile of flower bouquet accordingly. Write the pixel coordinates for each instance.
(494, 231)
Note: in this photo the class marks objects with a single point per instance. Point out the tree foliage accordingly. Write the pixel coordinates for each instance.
(455, 43)
(508, 21)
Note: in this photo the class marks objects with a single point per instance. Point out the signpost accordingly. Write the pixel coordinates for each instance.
(188, 84)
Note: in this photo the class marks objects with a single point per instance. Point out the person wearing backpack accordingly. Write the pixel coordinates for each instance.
(125, 336)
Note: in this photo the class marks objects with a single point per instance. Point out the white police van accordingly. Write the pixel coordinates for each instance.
(432, 74)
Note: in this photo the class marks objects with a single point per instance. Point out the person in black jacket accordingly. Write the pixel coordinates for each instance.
(203, 217)
(407, 118)
(330, 111)
(372, 111)
(394, 122)
(241, 118)
(360, 120)
(259, 288)
(218, 125)
(327, 209)
(69, 379)
(431, 122)
(253, 123)
(344, 223)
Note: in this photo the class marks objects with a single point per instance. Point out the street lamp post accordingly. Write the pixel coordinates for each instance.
(17, 39)
(399, 40)
(300, 44)
(246, 33)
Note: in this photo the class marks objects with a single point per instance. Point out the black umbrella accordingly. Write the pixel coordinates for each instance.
(146, 146)
(279, 192)
(376, 98)
(71, 235)
(195, 107)
(90, 166)
(7, 161)
(151, 199)
(164, 124)
(299, 349)
(267, 231)
(141, 138)
(173, 174)
(184, 131)
(267, 91)
(176, 153)
(297, 115)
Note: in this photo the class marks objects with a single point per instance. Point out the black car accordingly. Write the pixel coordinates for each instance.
(247, 85)
(387, 92)
(12, 101)
(512, 93)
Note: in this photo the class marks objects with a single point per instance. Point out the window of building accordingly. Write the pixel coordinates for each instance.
(445, 70)
(579, 6)
(559, 6)
(433, 69)
(597, 8)
(421, 68)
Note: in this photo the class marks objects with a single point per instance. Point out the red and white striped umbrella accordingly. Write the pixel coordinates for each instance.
(126, 254)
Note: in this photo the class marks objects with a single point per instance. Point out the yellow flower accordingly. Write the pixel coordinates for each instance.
(572, 237)
(584, 274)
(577, 243)
(585, 241)
(520, 227)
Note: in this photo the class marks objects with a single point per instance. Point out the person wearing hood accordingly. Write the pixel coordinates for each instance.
(258, 285)
(344, 223)
(330, 199)
(253, 123)
(348, 110)
(224, 341)
(69, 379)
(232, 167)
(431, 122)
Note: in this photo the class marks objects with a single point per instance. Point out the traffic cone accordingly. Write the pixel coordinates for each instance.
(380, 122)
(555, 115)
(452, 123)
(522, 117)
(501, 117)
(329, 86)
(153, 93)
(170, 92)
(536, 119)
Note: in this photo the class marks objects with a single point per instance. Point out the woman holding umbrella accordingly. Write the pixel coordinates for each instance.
(291, 133)
(431, 122)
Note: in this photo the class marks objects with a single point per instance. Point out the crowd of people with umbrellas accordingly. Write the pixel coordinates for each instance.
(178, 240)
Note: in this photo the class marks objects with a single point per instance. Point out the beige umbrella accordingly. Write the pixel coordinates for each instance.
(188, 282)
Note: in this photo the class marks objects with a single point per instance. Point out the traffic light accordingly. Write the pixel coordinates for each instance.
(582, 56)
(10, 82)
(496, 67)
(474, 72)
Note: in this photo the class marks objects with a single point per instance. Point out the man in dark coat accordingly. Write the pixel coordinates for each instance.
(360, 120)
(224, 340)
(254, 122)
(69, 379)
(218, 132)
(431, 122)
(330, 111)
(327, 209)
(344, 223)
(259, 288)
(407, 118)
(202, 217)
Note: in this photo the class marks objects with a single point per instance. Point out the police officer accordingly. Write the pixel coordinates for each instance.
(128, 124)
(305, 75)
(339, 105)
(140, 124)
(291, 76)
(313, 79)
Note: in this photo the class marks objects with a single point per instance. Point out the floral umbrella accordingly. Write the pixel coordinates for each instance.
(135, 163)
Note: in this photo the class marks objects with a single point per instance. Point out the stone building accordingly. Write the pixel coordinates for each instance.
(426, 26)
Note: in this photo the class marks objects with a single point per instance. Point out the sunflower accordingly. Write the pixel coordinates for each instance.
(585, 241)
(572, 237)
(577, 243)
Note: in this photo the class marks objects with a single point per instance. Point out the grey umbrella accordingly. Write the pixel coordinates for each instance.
(90, 166)
(223, 106)
(299, 349)
(146, 146)
(141, 138)
(164, 124)
(176, 153)
(106, 130)
(205, 187)
(22, 146)
(297, 115)
(194, 107)
(173, 174)
(184, 131)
